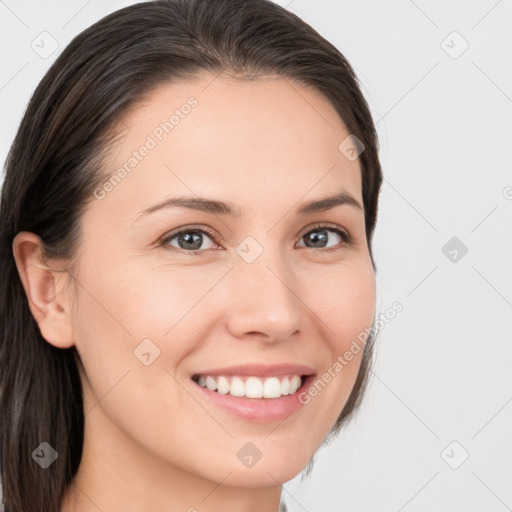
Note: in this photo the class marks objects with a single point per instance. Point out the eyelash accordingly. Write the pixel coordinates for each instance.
(344, 235)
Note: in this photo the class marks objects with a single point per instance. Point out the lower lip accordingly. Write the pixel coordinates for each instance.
(261, 410)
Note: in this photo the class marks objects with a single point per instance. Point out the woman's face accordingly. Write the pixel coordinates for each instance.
(264, 287)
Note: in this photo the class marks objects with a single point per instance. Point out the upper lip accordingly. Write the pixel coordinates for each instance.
(260, 370)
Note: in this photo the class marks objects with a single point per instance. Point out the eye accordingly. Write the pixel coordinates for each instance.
(319, 237)
(190, 240)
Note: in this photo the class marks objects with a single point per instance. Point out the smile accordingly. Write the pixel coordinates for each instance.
(264, 399)
(250, 386)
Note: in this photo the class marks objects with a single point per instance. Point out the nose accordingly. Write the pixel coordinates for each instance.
(263, 301)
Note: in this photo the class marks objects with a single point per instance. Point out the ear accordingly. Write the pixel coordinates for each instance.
(46, 290)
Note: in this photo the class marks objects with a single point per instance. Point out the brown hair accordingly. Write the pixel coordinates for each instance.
(54, 165)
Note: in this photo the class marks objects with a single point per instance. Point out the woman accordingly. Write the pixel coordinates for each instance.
(186, 226)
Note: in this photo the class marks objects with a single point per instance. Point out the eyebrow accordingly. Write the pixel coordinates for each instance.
(229, 209)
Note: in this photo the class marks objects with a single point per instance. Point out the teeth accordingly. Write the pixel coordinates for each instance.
(237, 387)
(253, 387)
(272, 388)
(222, 385)
(211, 383)
(285, 386)
(295, 383)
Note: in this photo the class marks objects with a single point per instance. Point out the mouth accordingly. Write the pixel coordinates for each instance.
(253, 386)
(259, 393)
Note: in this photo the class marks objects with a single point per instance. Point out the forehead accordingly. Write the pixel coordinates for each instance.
(249, 142)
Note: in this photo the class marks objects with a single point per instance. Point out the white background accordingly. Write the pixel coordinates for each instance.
(445, 126)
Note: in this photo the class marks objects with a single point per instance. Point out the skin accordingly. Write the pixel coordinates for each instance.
(152, 441)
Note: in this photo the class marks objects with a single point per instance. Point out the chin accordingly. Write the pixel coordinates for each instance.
(262, 477)
(275, 470)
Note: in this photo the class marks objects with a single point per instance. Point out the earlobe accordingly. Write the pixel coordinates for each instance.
(45, 289)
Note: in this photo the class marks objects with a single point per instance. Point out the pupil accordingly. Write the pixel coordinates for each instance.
(187, 239)
(315, 238)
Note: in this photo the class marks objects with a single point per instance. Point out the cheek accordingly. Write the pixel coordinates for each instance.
(133, 303)
(162, 300)
(345, 302)
(121, 318)
(124, 307)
